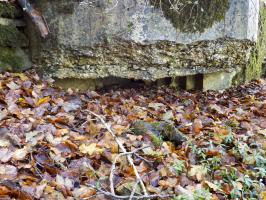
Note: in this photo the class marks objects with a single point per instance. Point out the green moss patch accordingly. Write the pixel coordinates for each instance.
(193, 15)
(254, 69)
(11, 36)
(9, 60)
(9, 11)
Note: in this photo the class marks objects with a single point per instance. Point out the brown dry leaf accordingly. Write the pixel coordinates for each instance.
(199, 171)
(92, 128)
(83, 192)
(20, 154)
(119, 129)
(142, 167)
(197, 126)
(90, 149)
(8, 172)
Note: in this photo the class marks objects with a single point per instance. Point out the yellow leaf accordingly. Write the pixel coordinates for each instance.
(263, 195)
(22, 76)
(42, 101)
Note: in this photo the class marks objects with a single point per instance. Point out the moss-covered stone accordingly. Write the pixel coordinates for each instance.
(254, 69)
(9, 60)
(193, 15)
(158, 131)
(9, 11)
(10, 36)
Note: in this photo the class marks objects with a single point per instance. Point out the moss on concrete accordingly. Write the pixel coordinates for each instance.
(9, 60)
(11, 36)
(193, 15)
(254, 69)
(9, 11)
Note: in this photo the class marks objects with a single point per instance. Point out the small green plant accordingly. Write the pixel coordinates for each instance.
(229, 175)
(178, 166)
(199, 152)
(212, 163)
(156, 140)
(261, 171)
(228, 139)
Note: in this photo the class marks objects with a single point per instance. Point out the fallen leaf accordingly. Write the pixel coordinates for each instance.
(8, 172)
(42, 101)
(90, 149)
(211, 185)
(20, 154)
(13, 86)
(197, 126)
(199, 171)
(4, 143)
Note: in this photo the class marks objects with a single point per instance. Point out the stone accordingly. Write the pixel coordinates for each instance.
(219, 80)
(158, 131)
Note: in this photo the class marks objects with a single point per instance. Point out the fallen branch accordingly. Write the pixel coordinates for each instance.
(153, 196)
(111, 177)
(128, 155)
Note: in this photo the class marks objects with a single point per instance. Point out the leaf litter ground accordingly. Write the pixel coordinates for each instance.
(53, 147)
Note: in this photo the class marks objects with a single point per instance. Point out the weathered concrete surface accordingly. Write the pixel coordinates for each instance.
(138, 40)
(219, 80)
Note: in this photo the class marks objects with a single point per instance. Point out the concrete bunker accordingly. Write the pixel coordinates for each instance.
(213, 44)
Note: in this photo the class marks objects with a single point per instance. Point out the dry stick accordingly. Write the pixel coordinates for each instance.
(129, 158)
(153, 196)
(133, 191)
(111, 177)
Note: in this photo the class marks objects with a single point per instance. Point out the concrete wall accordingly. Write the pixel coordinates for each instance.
(93, 39)
(14, 44)
(141, 40)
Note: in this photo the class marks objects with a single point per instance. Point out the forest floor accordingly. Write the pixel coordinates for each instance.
(60, 144)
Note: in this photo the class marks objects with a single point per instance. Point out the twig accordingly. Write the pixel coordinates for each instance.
(133, 191)
(153, 196)
(111, 177)
(128, 155)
